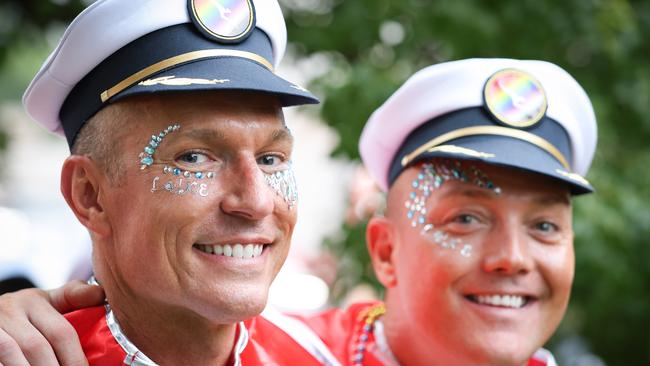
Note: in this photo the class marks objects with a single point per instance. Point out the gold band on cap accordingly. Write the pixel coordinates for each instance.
(179, 59)
(488, 130)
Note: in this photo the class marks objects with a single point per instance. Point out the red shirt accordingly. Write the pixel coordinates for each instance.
(267, 344)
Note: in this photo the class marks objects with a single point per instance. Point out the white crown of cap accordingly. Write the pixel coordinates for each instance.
(450, 86)
(105, 27)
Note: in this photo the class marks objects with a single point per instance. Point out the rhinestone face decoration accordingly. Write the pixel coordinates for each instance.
(430, 177)
(183, 182)
(146, 157)
(284, 184)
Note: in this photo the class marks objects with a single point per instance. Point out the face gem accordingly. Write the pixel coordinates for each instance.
(146, 157)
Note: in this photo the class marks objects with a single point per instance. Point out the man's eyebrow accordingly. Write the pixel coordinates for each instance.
(471, 192)
(203, 134)
(553, 199)
(283, 134)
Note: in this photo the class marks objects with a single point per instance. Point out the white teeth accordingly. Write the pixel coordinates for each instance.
(248, 251)
(508, 301)
(227, 250)
(244, 251)
(238, 251)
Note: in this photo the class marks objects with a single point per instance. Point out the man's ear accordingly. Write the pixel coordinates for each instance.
(81, 186)
(380, 239)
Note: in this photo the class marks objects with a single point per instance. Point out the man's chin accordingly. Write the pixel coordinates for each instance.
(506, 350)
(235, 308)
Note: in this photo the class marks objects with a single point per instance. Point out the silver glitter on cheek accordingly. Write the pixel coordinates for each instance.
(444, 240)
(284, 184)
(466, 251)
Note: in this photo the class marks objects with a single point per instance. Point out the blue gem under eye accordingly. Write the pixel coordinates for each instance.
(147, 160)
(153, 144)
(176, 171)
(198, 175)
(415, 184)
(149, 150)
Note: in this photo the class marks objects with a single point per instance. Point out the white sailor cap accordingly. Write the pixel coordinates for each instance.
(119, 48)
(528, 115)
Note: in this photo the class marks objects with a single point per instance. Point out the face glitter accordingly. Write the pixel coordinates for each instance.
(180, 184)
(146, 156)
(430, 177)
(284, 184)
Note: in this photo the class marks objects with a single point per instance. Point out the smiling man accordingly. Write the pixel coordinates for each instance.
(181, 172)
(480, 160)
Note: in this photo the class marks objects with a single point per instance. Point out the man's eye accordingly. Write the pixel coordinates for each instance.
(465, 219)
(546, 227)
(269, 160)
(193, 158)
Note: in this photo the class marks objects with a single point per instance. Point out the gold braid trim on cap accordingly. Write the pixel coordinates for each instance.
(179, 59)
(488, 130)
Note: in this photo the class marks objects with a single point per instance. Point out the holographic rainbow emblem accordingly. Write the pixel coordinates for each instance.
(515, 98)
(226, 21)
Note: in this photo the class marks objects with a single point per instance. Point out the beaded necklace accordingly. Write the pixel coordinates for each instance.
(364, 327)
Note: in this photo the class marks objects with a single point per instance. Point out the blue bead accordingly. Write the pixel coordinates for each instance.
(153, 144)
(149, 150)
(415, 184)
(147, 160)
(198, 175)
(409, 214)
(176, 171)
(412, 195)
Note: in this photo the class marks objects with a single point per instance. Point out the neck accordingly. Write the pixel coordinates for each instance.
(172, 336)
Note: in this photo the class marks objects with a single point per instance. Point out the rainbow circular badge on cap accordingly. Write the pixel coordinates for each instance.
(226, 21)
(515, 98)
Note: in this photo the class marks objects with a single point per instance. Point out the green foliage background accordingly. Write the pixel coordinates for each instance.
(605, 44)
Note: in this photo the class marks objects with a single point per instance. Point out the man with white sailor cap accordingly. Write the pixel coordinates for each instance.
(480, 159)
(181, 172)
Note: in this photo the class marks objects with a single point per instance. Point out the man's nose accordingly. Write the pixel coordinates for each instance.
(247, 194)
(507, 251)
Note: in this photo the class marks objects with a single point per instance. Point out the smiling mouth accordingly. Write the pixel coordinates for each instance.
(503, 301)
(244, 251)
